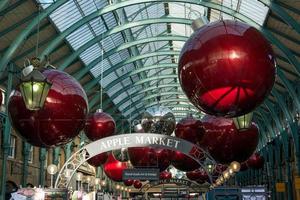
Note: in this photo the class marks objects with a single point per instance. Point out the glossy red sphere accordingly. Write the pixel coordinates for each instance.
(99, 125)
(183, 162)
(61, 118)
(165, 175)
(150, 157)
(114, 168)
(225, 143)
(190, 129)
(197, 175)
(128, 182)
(227, 68)
(98, 160)
(137, 184)
(256, 161)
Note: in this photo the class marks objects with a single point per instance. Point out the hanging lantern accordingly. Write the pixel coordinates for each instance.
(121, 154)
(227, 68)
(34, 87)
(243, 122)
(60, 119)
(99, 125)
(225, 143)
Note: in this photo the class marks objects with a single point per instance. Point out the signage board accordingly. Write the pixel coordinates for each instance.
(141, 174)
(280, 187)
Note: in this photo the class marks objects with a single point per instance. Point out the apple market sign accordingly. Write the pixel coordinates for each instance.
(126, 141)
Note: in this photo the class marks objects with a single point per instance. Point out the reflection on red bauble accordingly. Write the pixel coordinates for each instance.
(128, 182)
(137, 184)
(190, 129)
(61, 118)
(197, 175)
(225, 143)
(183, 162)
(256, 161)
(114, 168)
(150, 157)
(98, 160)
(165, 175)
(227, 68)
(99, 125)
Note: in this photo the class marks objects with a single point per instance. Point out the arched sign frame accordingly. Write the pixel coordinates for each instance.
(132, 140)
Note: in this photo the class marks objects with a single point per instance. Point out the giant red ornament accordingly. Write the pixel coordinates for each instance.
(128, 182)
(114, 168)
(99, 125)
(137, 184)
(183, 162)
(225, 143)
(165, 175)
(256, 161)
(227, 68)
(98, 160)
(61, 118)
(190, 129)
(150, 157)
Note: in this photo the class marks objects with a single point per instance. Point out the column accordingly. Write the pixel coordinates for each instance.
(6, 134)
(42, 158)
(26, 152)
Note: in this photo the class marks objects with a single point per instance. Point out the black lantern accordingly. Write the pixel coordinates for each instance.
(243, 122)
(34, 87)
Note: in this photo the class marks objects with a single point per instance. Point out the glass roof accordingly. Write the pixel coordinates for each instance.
(131, 101)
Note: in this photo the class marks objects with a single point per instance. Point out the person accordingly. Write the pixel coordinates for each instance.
(29, 185)
(11, 187)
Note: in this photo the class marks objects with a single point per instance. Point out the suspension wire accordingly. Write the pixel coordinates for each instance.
(101, 82)
(38, 32)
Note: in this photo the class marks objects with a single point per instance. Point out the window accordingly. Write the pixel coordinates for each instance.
(30, 156)
(12, 148)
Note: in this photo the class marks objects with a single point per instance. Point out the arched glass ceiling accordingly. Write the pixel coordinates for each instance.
(98, 44)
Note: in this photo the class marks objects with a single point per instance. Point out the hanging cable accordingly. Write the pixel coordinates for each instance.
(101, 71)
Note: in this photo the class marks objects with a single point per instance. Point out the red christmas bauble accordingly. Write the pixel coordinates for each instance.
(227, 68)
(98, 160)
(256, 161)
(114, 168)
(197, 175)
(128, 182)
(225, 143)
(183, 162)
(137, 184)
(190, 129)
(99, 125)
(61, 118)
(165, 175)
(150, 157)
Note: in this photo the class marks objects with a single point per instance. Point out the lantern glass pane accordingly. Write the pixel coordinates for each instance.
(34, 94)
(243, 122)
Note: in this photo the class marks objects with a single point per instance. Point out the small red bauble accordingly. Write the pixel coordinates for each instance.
(128, 182)
(198, 175)
(183, 162)
(150, 157)
(114, 168)
(165, 175)
(244, 166)
(98, 160)
(225, 143)
(190, 129)
(256, 161)
(227, 68)
(99, 125)
(137, 184)
(61, 118)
